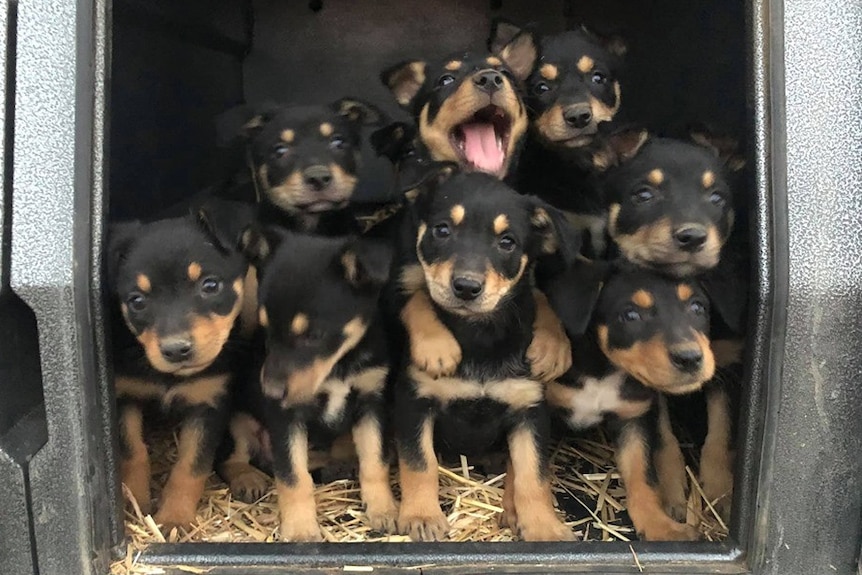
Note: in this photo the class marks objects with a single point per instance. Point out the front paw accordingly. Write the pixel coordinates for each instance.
(424, 527)
(174, 517)
(250, 485)
(300, 530)
(437, 355)
(552, 530)
(549, 354)
(383, 518)
(718, 489)
(666, 529)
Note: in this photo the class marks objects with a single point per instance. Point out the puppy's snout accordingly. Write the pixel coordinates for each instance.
(317, 177)
(690, 237)
(578, 116)
(687, 360)
(488, 81)
(176, 349)
(273, 387)
(467, 288)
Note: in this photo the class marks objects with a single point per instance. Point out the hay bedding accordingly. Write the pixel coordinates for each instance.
(586, 483)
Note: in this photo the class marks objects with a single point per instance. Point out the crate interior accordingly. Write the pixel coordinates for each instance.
(176, 65)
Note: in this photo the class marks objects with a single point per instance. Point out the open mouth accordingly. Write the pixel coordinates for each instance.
(482, 141)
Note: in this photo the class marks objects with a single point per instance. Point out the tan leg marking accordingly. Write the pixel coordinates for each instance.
(296, 502)
(248, 313)
(534, 501)
(135, 470)
(380, 506)
(185, 487)
(247, 483)
(642, 500)
(716, 458)
(509, 517)
(550, 352)
(420, 515)
(433, 348)
(670, 467)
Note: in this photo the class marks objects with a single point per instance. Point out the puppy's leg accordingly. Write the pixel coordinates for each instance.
(433, 348)
(135, 461)
(509, 517)
(634, 460)
(380, 506)
(420, 515)
(550, 352)
(716, 457)
(533, 499)
(670, 466)
(247, 483)
(293, 481)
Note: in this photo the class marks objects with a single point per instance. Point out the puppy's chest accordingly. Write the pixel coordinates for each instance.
(512, 392)
(338, 397)
(204, 391)
(587, 401)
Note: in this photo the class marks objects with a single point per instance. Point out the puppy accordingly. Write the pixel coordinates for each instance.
(325, 368)
(647, 336)
(468, 249)
(178, 285)
(468, 107)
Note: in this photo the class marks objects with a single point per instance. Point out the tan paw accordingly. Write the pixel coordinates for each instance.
(718, 489)
(666, 529)
(432, 527)
(171, 517)
(383, 518)
(437, 355)
(549, 354)
(250, 486)
(300, 531)
(551, 530)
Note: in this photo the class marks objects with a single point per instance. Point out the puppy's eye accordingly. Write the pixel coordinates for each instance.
(599, 78)
(280, 150)
(136, 301)
(441, 231)
(337, 143)
(717, 199)
(507, 243)
(696, 307)
(210, 286)
(643, 195)
(630, 315)
(540, 88)
(445, 80)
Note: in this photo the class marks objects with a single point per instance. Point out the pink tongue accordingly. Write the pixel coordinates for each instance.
(480, 147)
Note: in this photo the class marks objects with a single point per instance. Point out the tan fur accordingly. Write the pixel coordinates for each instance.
(185, 486)
(509, 517)
(433, 348)
(369, 381)
(287, 136)
(200, 391)
(209, 334)
(585, 64)
(457, 214)
(550, 351)
(601, 111)
(684, 292)
(326, 129)
(135, 469)
(406, 82)
(716, 456)
(263, 317)
(247, 483)
(194, 271)
(708, 179)
(296, 504)
(549, 71)
(299, 324)
(643, 299)
(519, 55)
(380, 506)
(138, 388)
(493, 61)
(143, 283)
(541, 220)
(412, 278)
(670, 467)
(654, 243)
(655, 177)
(420, 515)
(501, 224)
(516, 393)
(248, 315)
(453, 66)
(293, 191)
(727, 351)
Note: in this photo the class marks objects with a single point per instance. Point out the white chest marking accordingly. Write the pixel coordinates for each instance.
(596, 398)
(336, 391)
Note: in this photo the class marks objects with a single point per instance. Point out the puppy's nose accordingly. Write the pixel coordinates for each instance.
(687, 360)
(176, 350)
(578, 116)
(466, 288)
(690, 238)
(488, 81)
(318, 177)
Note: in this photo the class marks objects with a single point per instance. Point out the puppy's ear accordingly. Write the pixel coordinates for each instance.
(520, 54)
(121, 237)
(555, 234)
(427, 180)
(391, 141)
(619, 147)
(365, 263)
(242, 122)
(260, 243)
(725, 147)
(502, 32)
(573, 294)
(224, 221)
(404, 80)
(358, 112)
(614, 44)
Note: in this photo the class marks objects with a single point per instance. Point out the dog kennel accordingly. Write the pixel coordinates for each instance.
(108, 109)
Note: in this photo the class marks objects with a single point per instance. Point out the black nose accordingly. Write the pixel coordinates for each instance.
(687, 360)
(690, 238)
(466, 288)
(176, 350)
(318, 177)
(578, 116)
(489, 80)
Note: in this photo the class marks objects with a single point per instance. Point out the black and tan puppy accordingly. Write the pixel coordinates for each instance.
(179, 289)
(573, 87)
(325, 368)
(472, 242)
(305, 161)
(648, 335)
(468, 107)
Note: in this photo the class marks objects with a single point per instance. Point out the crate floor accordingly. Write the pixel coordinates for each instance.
(590, 498)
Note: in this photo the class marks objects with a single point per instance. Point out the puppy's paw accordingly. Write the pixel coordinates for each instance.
(300, 530)
(666, 529)
(550, 353)
(551, 530)
(171, 517)
(424, 527)
(437, 354)
(250, 485)
(383, 518)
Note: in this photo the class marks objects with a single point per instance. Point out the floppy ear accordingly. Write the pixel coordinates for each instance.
(121, 236)
(224, 221)
(404, 80)
(259, 243)
(365, 263)
(573, 294)
(520, 54)
(722, 145)
(242, 122)
(556, 234)
(427, 180)
(391, 141)
(612, 43)
(358, 112)
(619, 147)
(502, 32)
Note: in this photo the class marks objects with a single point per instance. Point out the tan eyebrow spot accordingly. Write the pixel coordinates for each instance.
(194, 271)
(643, 299)
(263, 317)
(493, 61)
(684, 292)
(326, 129)
(453, 65)
(144, 283)
(457, 213)
(299, 324)
(287, 136)
(501, 224)
(708, 179)
(585, 64)
(655, 177)
(549, 71)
